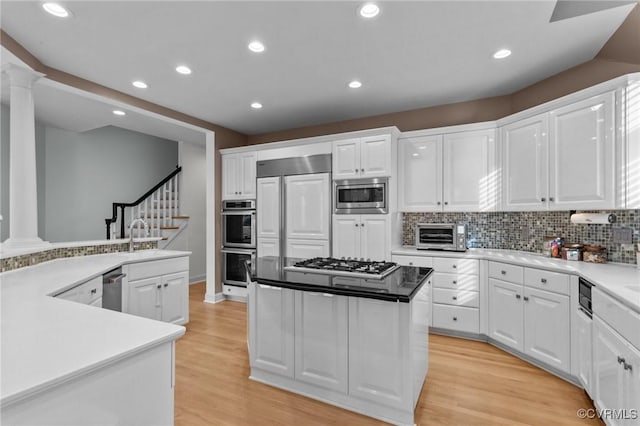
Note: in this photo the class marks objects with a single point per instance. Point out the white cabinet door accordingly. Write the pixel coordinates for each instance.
(346, 236)
(608, 352)
(470, 181)
(306, 249)
(375, 156)
(346, 159)
(506, 313)
(631, 391)
(145, 298)
(420, 173)
(582, 154)
(271, 329)
(247, 179)
(525, 164)
(321, 340)
(230, 176)
(175, 298)
(268, 208)
(378, 336)
(584, 355)
(547, 328)
(374, 241)
(308, 206)
(268, 247)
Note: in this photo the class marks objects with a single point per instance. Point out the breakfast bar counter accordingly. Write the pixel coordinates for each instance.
(350, 341)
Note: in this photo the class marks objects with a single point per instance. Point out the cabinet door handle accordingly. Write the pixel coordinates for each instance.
(551, 199)
(621, 360)
(94, 290)
(166, 284)
(446, 203)
(361, 170)
(543, 199)
(455, 297)
(455, 281)
(517, 296)
(628, 367)
(526, 299)
(356, 170)
(357, 224)
(543, 280)
(438, 203)
(503, 272)
(454, 266)
(362, 224)
(159, 286)
(455, 318)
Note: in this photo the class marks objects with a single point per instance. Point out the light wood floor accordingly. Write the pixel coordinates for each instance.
(469, 383)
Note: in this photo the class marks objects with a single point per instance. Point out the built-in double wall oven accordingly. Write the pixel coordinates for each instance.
(238, 240)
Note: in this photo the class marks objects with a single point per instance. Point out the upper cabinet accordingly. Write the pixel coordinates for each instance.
(454, 171)
(368, 156)
(561, 160)
(239, 176)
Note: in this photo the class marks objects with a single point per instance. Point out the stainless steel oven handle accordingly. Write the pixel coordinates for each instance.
(239, 251)
(238, 212)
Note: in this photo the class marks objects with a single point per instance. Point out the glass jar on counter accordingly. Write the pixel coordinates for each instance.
(595, 254)
(572, 251)
(552, 246)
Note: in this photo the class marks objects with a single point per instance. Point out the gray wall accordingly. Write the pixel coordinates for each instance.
(86, 172)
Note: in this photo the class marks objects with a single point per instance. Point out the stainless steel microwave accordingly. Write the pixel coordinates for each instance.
(441, 236)
(356, 196)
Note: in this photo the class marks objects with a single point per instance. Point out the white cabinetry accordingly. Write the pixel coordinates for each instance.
(561, 160)
(456, 295)
(368, 156)
(616, 359)
(584, 355)
(268, 216)
(158, 290)
(321, 340)
(528, 319)
(362, 236)
(239, 176)
(450, 172)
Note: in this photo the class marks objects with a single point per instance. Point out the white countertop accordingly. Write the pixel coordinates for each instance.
(619, 280)
(46, 341)
(6, 253)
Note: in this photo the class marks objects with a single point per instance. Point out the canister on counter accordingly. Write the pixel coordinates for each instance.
(572, 251)
(594, 254)
(553, 246)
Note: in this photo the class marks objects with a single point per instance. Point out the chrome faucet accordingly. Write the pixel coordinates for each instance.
(133, 223)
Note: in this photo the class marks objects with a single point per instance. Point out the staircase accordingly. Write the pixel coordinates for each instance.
(159, 208)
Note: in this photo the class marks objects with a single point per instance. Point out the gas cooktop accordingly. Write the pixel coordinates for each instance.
(346, 267)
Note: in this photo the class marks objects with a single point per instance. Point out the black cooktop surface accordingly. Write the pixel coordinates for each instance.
(347, 265)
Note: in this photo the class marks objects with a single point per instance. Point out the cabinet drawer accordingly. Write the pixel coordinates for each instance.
(460, 266)
(621, 318)
(421, 261)
(506, 272)
(545, 280)
(154, 268)
(470, 299)
(456, 281)
(456, 318)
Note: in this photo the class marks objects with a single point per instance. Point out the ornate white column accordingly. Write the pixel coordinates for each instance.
(23, 196)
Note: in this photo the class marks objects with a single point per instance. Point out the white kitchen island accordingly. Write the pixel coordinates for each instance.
(360, 344)
(67, 363)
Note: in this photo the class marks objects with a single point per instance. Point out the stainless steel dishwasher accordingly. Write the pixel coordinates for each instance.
(112, 290)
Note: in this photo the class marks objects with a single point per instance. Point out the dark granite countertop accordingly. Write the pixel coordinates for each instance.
(400, 285)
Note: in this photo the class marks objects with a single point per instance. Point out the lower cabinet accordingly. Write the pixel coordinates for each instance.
(584, 355)
(158, 290)
(321, 339)
(535, 322)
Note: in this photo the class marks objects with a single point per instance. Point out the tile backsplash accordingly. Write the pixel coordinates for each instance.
(525, 231)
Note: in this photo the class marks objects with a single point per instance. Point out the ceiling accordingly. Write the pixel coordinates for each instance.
(414, 54)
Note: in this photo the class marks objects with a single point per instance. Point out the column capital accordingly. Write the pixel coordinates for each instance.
(20, 76)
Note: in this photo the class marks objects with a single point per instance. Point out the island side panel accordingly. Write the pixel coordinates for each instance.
(420, 318)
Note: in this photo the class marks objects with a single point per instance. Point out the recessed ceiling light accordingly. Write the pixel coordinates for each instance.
(118, 112)
(183, 69)
(502, 53)
(355, 84)
(369, 10)
(256, 46)
(256, 105)
(140, 84)
(56, 10)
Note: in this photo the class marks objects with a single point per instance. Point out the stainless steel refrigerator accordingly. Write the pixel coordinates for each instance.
(294, 207)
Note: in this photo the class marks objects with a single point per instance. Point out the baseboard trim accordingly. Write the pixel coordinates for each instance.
(216, 298)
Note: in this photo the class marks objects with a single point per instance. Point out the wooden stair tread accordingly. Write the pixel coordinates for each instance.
(169, 227)
(180, 216)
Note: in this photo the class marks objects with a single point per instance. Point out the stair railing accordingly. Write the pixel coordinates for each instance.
(162, 198)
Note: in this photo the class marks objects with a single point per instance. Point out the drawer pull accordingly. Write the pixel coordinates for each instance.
(159, 286)
(526, 299)
(628, 367)
(94, 290)
(166, 284)
(455, 318)
(621, 360)
(410, 263)
(454, 266)
(543, 280)
(455, 297)
(517, 296)
(503, 272)
(455, 282)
